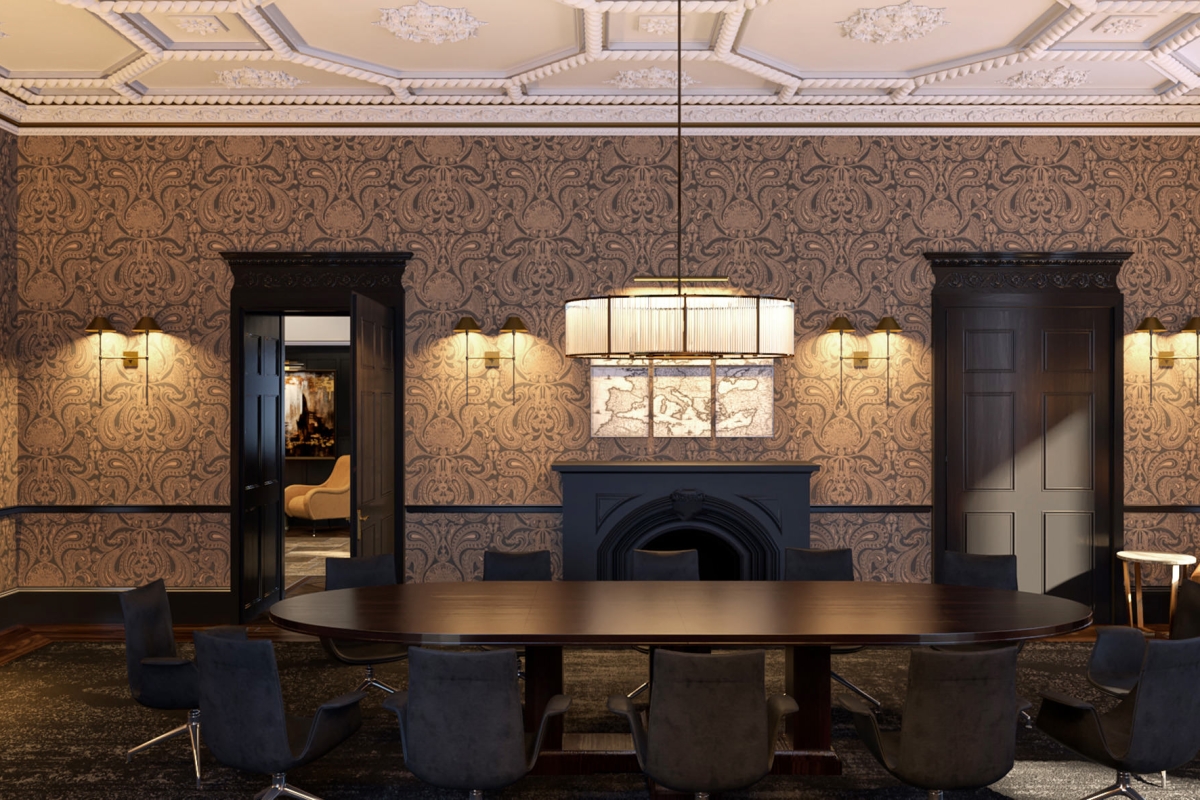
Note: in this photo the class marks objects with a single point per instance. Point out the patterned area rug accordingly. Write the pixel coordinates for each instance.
(66, 719)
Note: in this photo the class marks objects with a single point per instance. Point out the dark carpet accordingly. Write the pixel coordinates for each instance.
(66, 719)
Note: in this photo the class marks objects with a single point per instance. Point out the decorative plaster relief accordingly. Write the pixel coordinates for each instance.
(658, 26)
(898, 23)
(202, 25)
(1120, 26)
(652, 78)
(250, 78)
(427, 24)
(1057, 78)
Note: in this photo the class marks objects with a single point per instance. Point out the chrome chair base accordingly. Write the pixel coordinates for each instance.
(1121, 788)
(856, 690)
(935, 794)
(638, 691)
(476, 794)
(371, 682)
(281, 788)
(191, 728)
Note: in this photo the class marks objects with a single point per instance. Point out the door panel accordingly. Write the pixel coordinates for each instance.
(260, 488)
(373, 472)
(1027, 427)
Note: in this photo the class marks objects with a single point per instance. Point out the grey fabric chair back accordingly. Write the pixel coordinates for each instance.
(531, 566)
(465, 728)
(802, 564)
(985, 572)
(958, 728)
(1186, 622)
(354, 573)
(708, 720)
(1165, 707)
(148, 629)
(666, 565)
(241, 702)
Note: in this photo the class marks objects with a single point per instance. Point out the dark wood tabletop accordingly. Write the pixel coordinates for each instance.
(697, 613)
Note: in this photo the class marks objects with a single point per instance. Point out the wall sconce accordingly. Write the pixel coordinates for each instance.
(128, 358)
(491, 358)
(1165, 358)
(861, 359)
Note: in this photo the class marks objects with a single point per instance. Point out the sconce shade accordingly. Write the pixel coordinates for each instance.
(887, 325)
(1151, 325)
(466, 325)
(680, 326)
(99, 325)
(1192, 324)
(514, 324)
(840, 325)
(147, 325)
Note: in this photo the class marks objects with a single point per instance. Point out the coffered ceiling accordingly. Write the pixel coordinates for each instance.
(120, 63)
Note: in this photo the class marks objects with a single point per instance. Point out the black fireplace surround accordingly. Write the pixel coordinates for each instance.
(749, 510)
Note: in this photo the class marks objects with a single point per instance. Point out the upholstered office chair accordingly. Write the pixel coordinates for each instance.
(1117, 657)
(666, 565)
(158, 678)
(461, 725)
(985, 572)
(803, 564)
(1156, 727)
(663, 565)
(245, 724)
(328, 500)
(353, 573)
(956, 732)
(531, 566)
(711, 727)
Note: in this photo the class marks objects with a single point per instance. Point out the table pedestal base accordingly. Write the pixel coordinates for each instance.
(809, 730)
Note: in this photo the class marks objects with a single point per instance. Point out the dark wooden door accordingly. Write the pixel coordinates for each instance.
(1029, 424)
(373, 470)
(260, 501)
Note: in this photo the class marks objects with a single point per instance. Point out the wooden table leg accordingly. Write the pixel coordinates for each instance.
(543, 680)
(806, 672)
(1137, 589)
(1128, 594)
(1175, 575)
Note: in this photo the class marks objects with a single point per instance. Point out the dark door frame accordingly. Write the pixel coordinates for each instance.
(1032, 280)
(285, 283)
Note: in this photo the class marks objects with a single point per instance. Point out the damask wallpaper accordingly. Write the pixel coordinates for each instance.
(500, 225)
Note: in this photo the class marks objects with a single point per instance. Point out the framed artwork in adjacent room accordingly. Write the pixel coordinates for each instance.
(310, 420)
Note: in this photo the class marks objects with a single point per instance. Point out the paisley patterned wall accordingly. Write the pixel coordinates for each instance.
(128, 225)
(8, 361)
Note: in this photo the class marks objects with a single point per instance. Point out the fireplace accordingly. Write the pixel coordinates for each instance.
(740, 516)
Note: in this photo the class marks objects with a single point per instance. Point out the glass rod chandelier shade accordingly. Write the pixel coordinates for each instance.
(680, 326)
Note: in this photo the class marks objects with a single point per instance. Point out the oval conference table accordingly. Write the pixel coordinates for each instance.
(806, 618)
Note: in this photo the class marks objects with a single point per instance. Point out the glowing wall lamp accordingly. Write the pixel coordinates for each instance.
(860, 359)
(1165, 358)
(128, 358)
(491, 358)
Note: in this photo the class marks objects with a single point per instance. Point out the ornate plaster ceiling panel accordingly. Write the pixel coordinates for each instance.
(644, 30)
(654, 77)
(254, 77)
(496, 38)
(117, 63)
(199, 30)
(816, 37)
(50, 39)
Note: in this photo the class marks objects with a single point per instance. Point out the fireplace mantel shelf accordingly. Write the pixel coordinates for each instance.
(675, 467)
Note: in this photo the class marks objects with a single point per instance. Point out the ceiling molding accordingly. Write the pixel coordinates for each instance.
(1090, 62)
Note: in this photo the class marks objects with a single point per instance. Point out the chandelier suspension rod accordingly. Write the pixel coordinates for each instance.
(679, 146)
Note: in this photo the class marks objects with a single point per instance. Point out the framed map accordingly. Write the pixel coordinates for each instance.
(677, 399)
(309, 415)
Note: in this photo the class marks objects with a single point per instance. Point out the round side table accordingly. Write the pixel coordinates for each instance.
(1138, 557)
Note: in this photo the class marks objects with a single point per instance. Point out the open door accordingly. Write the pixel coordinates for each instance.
(373, 415)
(260, 469)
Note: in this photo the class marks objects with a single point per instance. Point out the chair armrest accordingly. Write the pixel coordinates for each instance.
(556, 707)
(295, 490)
(328, 503)
(398, 704)
(623, 706)
(867, 725)
(343, 701)
(778, 707)
(165, 662)
(333, 722)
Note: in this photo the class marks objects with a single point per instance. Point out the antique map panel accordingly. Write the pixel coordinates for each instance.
(746, 399)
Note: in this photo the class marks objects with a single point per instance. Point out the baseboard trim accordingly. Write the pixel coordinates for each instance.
(96, 606)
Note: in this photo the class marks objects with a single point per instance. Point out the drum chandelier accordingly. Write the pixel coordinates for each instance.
(680, 324)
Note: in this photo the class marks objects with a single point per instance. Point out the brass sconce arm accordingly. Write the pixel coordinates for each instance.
(491, 358)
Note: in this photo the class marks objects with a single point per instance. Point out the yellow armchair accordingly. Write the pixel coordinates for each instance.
(329, 500)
